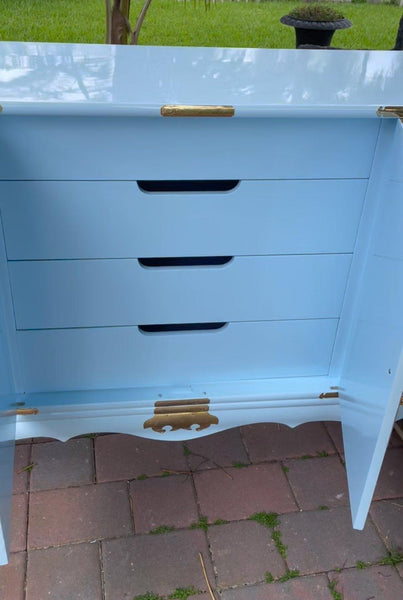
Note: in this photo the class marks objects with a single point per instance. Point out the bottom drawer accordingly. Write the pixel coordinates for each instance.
(119, 357)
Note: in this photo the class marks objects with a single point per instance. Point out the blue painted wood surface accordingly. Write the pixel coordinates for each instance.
(7, 428)
(372, 377)
(319, 189)
(114, 219)
(192, 149)
(108, 357)
(94, 293)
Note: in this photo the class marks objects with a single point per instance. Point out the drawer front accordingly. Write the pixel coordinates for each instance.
(139, 148)
(70, 219)
(118, 357)
(90, 293)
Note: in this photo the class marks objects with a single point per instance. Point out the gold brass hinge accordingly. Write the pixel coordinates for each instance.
(329, 395)
(1, 108)
(22, 412)
(181, 414)
(188, 110)
(390, 111)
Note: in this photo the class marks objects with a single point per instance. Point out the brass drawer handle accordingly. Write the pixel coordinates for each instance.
(188, 110)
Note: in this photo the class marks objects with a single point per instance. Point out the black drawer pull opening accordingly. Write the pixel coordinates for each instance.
(170, 328)
(194, 185)
(185, 261)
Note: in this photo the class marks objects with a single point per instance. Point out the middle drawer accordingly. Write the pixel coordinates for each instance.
(116, 292)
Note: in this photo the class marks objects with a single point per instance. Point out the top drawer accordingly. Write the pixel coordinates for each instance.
(111, 219)
(194, 148)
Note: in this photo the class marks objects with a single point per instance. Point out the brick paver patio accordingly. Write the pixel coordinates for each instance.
(114, 517)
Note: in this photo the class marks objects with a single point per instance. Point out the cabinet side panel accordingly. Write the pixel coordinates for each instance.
(372, 377)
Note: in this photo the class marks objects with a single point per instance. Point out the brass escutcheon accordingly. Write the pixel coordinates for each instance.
(181, 414)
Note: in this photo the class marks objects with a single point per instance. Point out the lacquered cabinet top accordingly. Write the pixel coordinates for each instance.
(51, 78)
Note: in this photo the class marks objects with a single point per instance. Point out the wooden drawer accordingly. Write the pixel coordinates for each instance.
(137, 148)
(88, 293)
(68, 359)
(70, 219)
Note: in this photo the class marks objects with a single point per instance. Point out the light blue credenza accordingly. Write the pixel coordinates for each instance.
(194, 239)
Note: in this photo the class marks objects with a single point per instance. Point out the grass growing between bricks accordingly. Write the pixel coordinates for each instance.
(270, 520)
(202, 523)
(336, 595)
(162, 529)
(393, 558)
(180, 593)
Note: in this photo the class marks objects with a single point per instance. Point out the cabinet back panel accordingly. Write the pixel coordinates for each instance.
(86, 219)
(87, 148)
(68, 359)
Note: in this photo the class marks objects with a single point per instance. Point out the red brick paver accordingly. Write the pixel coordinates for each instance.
(276, 442)
(22, 458)
(390, 482)
(335, 431)
(65, 573)
(12, 578)
(18, 530)
(163, 501)
(375, 583)
(154, 563)
(303, 588)
(222, 449)
(324, 540)
(58, 464)
(78, 514)
(243, 552)
(252, 489)
(318, 482)
(388, 518)
(81, 541)
(126, 457)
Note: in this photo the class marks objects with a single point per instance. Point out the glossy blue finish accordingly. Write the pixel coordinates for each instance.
(102, 293)
(114, 219)
(108, 357)
(7, 425)
(94, 79)
(281, 149)
(310, 299)
(372, 377)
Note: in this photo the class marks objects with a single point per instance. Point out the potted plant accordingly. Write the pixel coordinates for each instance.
(315, 23)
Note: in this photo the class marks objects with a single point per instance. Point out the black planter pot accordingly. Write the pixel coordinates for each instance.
(316, 33)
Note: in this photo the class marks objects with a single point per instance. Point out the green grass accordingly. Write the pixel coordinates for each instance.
(162, 529)
(169, 22)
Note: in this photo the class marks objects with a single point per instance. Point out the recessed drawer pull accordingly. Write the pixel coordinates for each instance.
(183, 185)
(186, 261)
(171, 328)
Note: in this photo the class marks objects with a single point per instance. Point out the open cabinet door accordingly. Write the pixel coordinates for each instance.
(372, 376)
(7, 425)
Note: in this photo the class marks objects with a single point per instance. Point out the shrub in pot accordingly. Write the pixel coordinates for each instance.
(315, 23)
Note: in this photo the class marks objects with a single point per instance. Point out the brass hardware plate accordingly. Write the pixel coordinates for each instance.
(184, 110)
(329, 395)
(390, 111)
(1, 108)
(181, 414)
(401, 399)
(22, 412)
